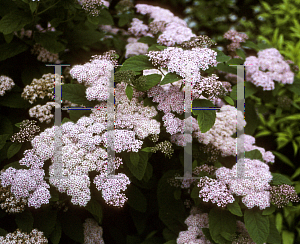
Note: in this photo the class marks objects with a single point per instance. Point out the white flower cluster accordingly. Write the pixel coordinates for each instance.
(44, 55)
(23, 32)
(42, 112)
(39, 88)
(195, 222)
(253, 185)
(135, 48)
(267, 68)
(6, 84)
(92, 232)
(34, 237)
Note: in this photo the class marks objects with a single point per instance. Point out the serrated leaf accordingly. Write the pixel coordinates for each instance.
(75, 93)
(235, 208)
(254, 154)
(221, 221)
(134, 158)
(283, 158)
(3, 139)
(24, 221)
(13, 149)
(151, 81)
(257, 225)
(72, 226)
(136, 199)
(229, 100)
(14, 21)
(95, 208)
(274, 236)
(129, 92)
(56, 234)
(221, 57)
(139, 170)
(269, 210)
(279, 179)
(137, 63)
(105, 18)
(206, 120)
(170, 78)
(46, 226)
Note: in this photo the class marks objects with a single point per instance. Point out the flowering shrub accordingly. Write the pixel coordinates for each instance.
(86, 196)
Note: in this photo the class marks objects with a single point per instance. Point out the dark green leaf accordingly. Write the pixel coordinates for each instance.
(229, 100)
(77, 114)
(11, 49)
(207, 235)
(129, 92)
(250, 117)
(72, 226)
(241, 53)
(219, 221)
(235, 208)
(95, 208)
(257, 225)
(137, 63)
(33, 6)
(123, 20)
(148, 172)
(151, 80)
(14, 21)
(148, 40)
(279, 179)
(93, 19)
(24, 221)
(235, 61)
(233, 93)
(45, 221)
(221, 57)
(75, 93)
(3, 139)
(168, 234)
(269, 210)
(201, 103)
(56, 234)
(65, 120)
(206, 120)
(14, 100)
(254, 154)
(170, 78)
(9, 37)
(227, 68)
(105, 18)
(250, 89)
(139, 170)
(136, 199)
(251, 45)
(147, 149)
(15, 165)
(49, 41)
(139, 220)
(295, 87)
(177, 193)
(13, 149)
(79, 38)
(195, 192)
(2, 232)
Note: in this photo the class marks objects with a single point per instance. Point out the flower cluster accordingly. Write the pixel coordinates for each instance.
(34, 237)
(195, 222)
(42, 30)
(92, 6)
(210, 169)
(6, 84)
(44, 55)
(39, 88)
(138, 28)
(92, 232)
(165, 147)
(135, 48)
(28, 184)
(236, 39)
(42, 112)
(95, 75)
(202, 41)
(268, 67)
(27, 130)
(281, 195)
(253, 184)
(23, 32)
(244, 236)
(179, 61)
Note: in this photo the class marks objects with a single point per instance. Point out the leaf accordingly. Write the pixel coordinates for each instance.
(15, 165)
(274, 236)
(279, 179)
(148, 40)
(269, 210)
(229, 100)
(24, 221)
(195, 192)
(207, 235)
(79, 38)
(170, 242)
(151, 81)
(251, 45)
(233, 93)
(147, 149)
(77, 114)
(235, 61)
(105, 18)
(33, 6)
(56, 234)
(148, 172)
(46, 226)
(137, 63)
(3, 139)
(170, 78)
(123, 20)
(134, 158)
(241, 53)
(95, 208)
(14, 21)
(14, 100)
(49, 41)
(139, 170)
(9, 37)
(257, 225)
(250, 89)
(72, 226)
(235, 208)
(75, 93)
(251, 118)
(283, 158)
(288, 237)
(65, 120)
(2, 232)
(12, 49)
(177, 193)
(93, 19)
(295, 175)
(227, 68)
(136, 199)
(201, 103)
(221, 57)
(13, 149)
(254, 154)
(129, 92)
(219, 221)
(139, 220)
(206, 118)
(295, 87)
(279, 221)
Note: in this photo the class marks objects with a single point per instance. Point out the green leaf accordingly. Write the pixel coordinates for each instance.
(123, 20)
(148, 40)
(72, 226)
(75, 93)
(148, 172)
(46, 226)
(257, 225)
(251, 45)
(229, 100)
(241, 53)
(134, 158)
(3, 139)
(221, 57)
(279, 179)
(295, 175)
(139, 220)
(33, 6)
(235, 208)
(65, 120)
(13, 149)
(170, 242)
(235, 61)
(207, 235)
(251, 117)
(14, 21)
(147, 149)
(49, 41)
(279, 221)
(250, 89)
(269, 210)
(14, 100)
(254, 154)
(274, 236)
(77, 114)
(129, 92)
(93, 19)
(177, 193)
(15, 165)
(170, 78)
(105, 18)
(56, 234)
(12, 49)
(288, 237)
(2, 232)
(137, 63)
(151, 80)
(9, 37)
(136, 199)
(95, 208)
(221, 221)
(169, 235)
(295, 87)
(283, 158)
(201, 103)
(24, 221)
(139, 170)
(161, 47)
(195, 192)
(79, 38)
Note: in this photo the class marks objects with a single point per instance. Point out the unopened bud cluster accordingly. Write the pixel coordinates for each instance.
(9, 202)
(44, 55)
(6, 84)
(165, 147)
(282, 195)
(236, 39)
(92, 6)
(210, 169)
(42, 112)
(284, 102)
(201, 41)
(28, 129)
(34, 237)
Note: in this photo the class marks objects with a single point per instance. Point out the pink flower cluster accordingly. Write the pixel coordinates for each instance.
(92, 232)
(236, 39)
(268, 67)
